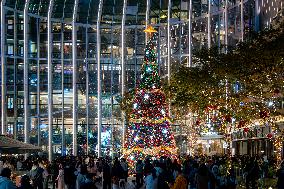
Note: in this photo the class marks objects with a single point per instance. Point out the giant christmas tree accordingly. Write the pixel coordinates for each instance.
(148, 132)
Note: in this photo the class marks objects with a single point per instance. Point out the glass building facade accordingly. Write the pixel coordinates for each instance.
(65, 64)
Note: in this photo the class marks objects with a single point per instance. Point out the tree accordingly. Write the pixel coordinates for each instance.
(245, 84)
(148, 132)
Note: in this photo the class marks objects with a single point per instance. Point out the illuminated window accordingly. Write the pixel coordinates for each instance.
(10, 103)
(10, 49)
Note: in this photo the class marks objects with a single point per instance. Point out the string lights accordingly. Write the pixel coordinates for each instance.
(148, 132)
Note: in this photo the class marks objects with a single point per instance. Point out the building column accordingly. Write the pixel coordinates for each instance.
(169, 47)
(15, 77)
(3, 70)
(257, 14)
(226, 25)
(87, 81)
(38, 85)
(147, 20)
(26, 75)
(99, 78)
(87, 91)
(189, 34)
(209, 24)
(135, 48)
(169, 39)
(123, 115)
(49, 77)
(63, 145)
(242, 20)
(74, 63)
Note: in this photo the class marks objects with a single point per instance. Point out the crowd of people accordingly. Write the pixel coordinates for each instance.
(198, 172)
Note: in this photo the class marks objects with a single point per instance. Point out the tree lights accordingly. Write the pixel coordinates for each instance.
(231, 90)
(148, 132)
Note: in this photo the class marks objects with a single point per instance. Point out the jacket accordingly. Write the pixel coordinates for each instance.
(6, 183)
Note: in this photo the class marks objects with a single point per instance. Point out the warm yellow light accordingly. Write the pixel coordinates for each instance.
(163, 16)
(150, 29)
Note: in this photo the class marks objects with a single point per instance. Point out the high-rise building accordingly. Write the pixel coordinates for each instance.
(65, 64)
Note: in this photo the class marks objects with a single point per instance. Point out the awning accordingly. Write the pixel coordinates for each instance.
(9, 146)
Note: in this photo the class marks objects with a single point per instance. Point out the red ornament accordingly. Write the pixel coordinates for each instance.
(246, 130)
(211, 107)
(269, 135)
(228, 118)
(264, 114)
(276, 91)
(197, 122)
(241, 124)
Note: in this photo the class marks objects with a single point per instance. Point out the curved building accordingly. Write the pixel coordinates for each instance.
(65, 64)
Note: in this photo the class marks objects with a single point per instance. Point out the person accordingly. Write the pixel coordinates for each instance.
(175, 168)
(139, 173)
(69, 176)
(106, 175)
(202, 177)
(151, 179)
(115, 182)
(81, 177)
(5, 182)
(180, 182)
(117, 169)
(45, 175)
(124, 166)
(25, 183)
(36, 175)
(253, 173)
(157, 168)
(232, 179)
(280, 175)
(60, 178)
(54, 173)
(92, 169)
(89, 183)
(19, 165)
(164, 178)
(192, 177)
(147, 166)
(1, 166)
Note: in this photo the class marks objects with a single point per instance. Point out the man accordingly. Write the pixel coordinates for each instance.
(36, 175)
(106, 175)
(5, 182)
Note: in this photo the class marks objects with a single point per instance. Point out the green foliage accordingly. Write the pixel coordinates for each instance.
(126, 104)
(239, 82)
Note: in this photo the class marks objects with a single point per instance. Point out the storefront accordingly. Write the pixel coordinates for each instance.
(255, 140)
(210, 145)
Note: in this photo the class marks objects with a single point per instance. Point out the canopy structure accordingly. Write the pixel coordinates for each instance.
(12, 146)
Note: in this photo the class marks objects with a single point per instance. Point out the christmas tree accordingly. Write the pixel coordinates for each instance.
(148, 132)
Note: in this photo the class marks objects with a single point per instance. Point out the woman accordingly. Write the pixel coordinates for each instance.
(60, 178)
(180, 181)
